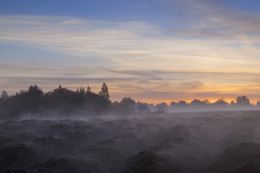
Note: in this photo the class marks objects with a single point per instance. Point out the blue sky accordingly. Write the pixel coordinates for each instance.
(116, 10)
(151, 50)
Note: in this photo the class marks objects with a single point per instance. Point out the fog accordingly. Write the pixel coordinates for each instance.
(140, 142)
(211, 108)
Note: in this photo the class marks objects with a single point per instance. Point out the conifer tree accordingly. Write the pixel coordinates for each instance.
(104, 91)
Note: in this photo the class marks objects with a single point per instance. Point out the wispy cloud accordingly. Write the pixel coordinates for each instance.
(214, 20)
(121, 43)
(70, 35)
(192, 85)
(174, 74)
(136, 57)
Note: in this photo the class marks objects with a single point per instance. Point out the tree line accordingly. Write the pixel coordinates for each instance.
(67, 101)
(35, 100)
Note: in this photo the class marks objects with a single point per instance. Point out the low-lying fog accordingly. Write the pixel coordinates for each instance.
(153, 142)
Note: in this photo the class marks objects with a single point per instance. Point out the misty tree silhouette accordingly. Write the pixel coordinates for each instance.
(35, 100)
(127, 105)
(35, 95)
(4, 95)
(242, 100)
(88, 90)
(161, 107)
(142, 107)
(197, 102)
(221, 102)
(104, 91)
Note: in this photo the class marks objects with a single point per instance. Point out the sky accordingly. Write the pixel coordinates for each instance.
(151, 50)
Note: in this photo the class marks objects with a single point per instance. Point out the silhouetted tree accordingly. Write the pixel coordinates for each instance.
(62, 93)
(79, 96)
(182, 103)
(35, 95)
(97, 103)
(115, 106)
(59, 97)
(3, 102)
(221, 102)
(81, 91)
(242, 100)
(142, 107)
(173, 104)
(232, 103)
(161, 107)
(258, 103)
(4, 95)
(26, 101)
(104, 91)
(199, 103)
(127, 105)
(88, 90)
(177, 106)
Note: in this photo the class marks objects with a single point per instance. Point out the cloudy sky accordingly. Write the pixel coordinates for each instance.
(150, 50)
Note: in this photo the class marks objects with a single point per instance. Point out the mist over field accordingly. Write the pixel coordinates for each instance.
(141, 142)
(65, 131)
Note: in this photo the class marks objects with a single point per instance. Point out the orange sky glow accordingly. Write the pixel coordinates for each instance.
(208, 51)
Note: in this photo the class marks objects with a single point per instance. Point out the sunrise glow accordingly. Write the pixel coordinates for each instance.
(156, 51)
